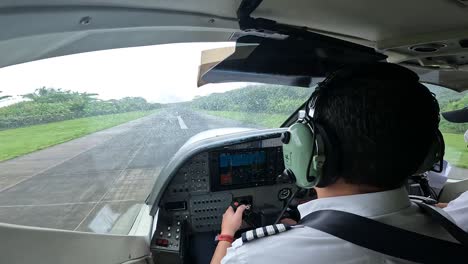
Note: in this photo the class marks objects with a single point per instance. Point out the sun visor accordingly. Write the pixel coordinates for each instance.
(298, 62)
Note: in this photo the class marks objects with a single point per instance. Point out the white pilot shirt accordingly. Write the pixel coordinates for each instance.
(458, 210)
(305, 245)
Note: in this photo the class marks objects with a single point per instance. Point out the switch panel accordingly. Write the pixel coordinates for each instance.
(193, 177)
(169, 235)
(206, 210)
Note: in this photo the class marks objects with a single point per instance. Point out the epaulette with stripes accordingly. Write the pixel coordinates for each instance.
(264, 232)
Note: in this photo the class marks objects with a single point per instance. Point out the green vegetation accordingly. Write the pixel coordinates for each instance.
(20, 141)
(264, 105)
(450, 100)
(47, 105)
(261, 119)
(448, 127)
(266, 99)
(456, 151)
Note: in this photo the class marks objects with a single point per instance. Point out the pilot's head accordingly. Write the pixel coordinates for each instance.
(383, 122)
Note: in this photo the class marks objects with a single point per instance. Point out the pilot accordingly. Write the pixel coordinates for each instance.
(382, 123)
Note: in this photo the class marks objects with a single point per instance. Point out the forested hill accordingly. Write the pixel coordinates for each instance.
(256, 99)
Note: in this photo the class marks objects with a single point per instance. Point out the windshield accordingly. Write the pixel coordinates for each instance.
(455, 134)
(83, 137)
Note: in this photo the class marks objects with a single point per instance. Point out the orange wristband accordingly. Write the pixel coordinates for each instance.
(226, 238)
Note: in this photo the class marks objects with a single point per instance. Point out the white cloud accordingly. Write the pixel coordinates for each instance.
(163, 73)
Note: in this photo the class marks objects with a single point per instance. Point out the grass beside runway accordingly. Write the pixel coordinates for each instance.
(20, 141)
(266, 120)
(456, 151)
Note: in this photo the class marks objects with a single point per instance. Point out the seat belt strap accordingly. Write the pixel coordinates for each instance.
(454, 230)
(386, 239)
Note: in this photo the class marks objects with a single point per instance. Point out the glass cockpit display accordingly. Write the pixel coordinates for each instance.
(241, 168)
(245, 168)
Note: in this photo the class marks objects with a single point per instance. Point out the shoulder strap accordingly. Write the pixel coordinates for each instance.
(264, 232)
(454, 230)
(386, 239)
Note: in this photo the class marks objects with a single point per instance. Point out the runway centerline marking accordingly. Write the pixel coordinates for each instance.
(181, 123)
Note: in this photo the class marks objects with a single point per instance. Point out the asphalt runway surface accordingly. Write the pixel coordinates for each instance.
(88, 183)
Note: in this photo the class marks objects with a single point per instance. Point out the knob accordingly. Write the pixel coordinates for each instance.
(168, 228)
(169, 235)
(178, 223)
(178, 230)
(286, 177)
(285, 137)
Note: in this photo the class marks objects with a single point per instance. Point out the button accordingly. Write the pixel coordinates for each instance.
(162, 242)
(178, 223)
(161, 233)
(169, 235)
(168, 228)
(177, 237)
(178, 230)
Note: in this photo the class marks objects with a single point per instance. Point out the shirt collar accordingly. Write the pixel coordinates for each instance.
(368, 205)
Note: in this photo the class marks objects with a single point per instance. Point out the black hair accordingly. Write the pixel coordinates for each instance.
(383, 121)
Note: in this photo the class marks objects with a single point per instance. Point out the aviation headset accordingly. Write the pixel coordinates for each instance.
(310, 153)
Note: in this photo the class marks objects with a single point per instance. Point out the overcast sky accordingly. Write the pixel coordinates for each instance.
(163, 73)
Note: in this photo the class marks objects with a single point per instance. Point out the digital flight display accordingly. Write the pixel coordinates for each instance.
(242, 168)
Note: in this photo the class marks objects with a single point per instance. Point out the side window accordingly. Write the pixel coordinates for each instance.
(455, 134)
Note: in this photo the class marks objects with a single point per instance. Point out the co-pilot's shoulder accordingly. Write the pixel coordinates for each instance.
(262, 233)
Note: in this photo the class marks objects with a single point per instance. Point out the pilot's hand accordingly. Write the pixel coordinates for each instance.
(441, 205)
(288, 221)
(232, 220)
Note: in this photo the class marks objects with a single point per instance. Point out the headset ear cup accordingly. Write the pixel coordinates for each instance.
(297, 155)
(331, 165)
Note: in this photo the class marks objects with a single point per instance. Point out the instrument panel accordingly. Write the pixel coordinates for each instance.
(207, 183)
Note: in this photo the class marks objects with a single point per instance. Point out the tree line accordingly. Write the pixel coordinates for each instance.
(46, 105)
(255, 98)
